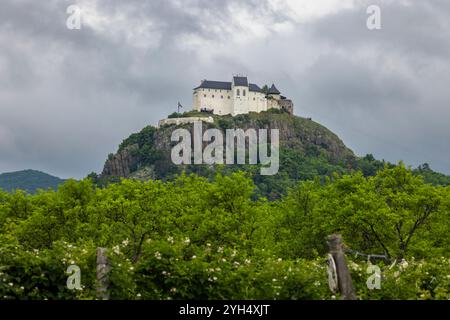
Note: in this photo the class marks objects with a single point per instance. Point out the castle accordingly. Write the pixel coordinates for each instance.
(237, 97)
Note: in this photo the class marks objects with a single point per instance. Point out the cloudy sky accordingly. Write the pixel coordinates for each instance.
(69, 97)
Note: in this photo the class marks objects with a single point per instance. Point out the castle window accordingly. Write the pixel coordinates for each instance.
(238, 93)
(254, 99)
(213, 96)
(221, 97)
(243, 92)
(204, 95)
(228, 97)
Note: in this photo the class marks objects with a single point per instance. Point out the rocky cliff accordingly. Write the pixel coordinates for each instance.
(307, 149)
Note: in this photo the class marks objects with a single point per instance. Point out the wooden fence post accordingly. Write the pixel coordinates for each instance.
(103, 269)
(344, 278)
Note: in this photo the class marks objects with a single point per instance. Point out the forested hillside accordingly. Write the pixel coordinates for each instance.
(28, 180)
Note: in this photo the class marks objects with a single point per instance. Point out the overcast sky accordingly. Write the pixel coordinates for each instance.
(69, 97)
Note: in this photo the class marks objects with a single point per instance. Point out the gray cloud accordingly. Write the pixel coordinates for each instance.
(68, 98)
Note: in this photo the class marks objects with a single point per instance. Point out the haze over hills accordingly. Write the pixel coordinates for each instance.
(28, 180)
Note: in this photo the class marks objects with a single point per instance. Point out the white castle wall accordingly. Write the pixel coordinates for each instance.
(221, 101)
(228, 102)
(187, 120)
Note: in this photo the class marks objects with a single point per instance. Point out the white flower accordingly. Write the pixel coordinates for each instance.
(236, 263)
(170, 239)
(187, 241)
(317, 283)
(247, 261)
(194, 257)
(138, 295)
(403, 264)
(208, 244)
(234, 253)
(173, 290)
(220, 249)
(354, 266)
(10, 284)
(158, 255)
(131, 268)
(279, 259)
(116, 249)
(22, 288)
(215, 278)
(164, 272)
(274, 280)
(125, 242)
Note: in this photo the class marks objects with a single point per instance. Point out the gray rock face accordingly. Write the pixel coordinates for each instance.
(122, 163)
(299, 134)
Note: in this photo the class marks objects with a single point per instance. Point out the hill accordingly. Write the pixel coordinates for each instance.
(28, 180)
(308, 151)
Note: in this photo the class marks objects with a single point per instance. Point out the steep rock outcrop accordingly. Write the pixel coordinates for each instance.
(123, 163)
(149, 151)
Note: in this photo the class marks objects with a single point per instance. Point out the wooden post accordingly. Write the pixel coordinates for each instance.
(103, 269)
(345, 283)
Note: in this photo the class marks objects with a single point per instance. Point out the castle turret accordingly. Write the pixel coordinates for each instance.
(274, 92)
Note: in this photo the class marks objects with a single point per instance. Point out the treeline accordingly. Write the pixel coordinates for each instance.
(220, 239)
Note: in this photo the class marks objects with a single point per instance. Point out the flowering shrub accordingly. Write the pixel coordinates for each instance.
(413, 280)
(176, 269)
(41, 274)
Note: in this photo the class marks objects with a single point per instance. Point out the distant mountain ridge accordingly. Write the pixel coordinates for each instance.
(28, 180)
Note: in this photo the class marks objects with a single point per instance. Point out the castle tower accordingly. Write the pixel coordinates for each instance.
(240, 95)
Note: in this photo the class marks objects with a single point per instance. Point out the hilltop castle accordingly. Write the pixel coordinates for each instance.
(237, 97)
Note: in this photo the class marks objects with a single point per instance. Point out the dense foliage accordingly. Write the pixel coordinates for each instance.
(196, 238)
